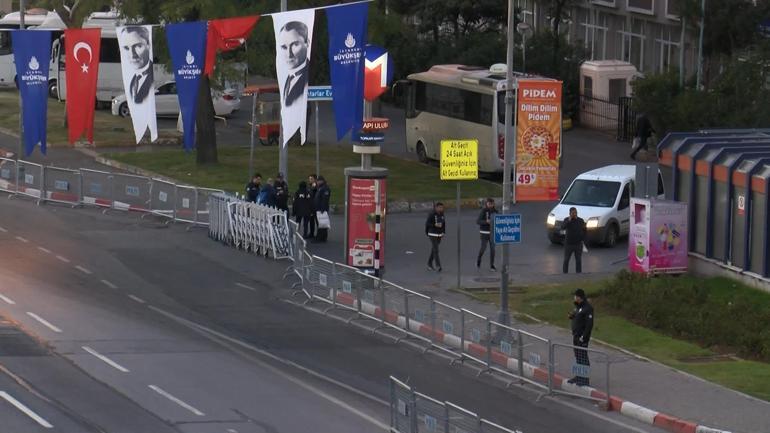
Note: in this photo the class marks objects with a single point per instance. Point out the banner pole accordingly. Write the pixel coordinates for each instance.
(317, 143)
(283, 152)
(22, 12)
(509, 158)
(253, 127)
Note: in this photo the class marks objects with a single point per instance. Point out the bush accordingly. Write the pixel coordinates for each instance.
(715, 312)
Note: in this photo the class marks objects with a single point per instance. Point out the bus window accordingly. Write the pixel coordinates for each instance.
(455, 103)
(5, 43)
(110, 52)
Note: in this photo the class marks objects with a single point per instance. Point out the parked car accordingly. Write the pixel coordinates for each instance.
(167, 103)
(602, 198)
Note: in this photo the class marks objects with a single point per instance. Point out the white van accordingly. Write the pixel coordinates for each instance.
(602, 198)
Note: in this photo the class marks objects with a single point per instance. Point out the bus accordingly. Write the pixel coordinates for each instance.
(110, 81)
(458, 102)
(33, 19)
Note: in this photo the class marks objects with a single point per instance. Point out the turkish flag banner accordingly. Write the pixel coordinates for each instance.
(82, 48)
(226, 34)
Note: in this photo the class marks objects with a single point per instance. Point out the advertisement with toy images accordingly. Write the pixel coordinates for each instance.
(658, 236)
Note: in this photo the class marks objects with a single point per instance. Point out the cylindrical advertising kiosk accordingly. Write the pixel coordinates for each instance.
(365, 206)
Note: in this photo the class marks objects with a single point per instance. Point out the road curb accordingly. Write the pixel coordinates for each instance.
(534, 373)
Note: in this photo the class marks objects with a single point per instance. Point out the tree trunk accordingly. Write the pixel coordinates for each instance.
(205, 127)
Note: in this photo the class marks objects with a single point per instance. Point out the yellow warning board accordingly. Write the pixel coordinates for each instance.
(459, 159)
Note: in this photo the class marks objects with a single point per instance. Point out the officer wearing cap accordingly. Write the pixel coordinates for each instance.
(582, 324)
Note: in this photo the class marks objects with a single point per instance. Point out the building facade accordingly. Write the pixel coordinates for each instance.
(645, 33)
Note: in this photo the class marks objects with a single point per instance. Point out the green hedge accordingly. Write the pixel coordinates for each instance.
(715, 312)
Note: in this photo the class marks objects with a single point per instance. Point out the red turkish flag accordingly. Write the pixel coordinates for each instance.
(82, 48)
(225, 35)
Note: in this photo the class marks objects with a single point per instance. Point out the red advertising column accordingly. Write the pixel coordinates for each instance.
(364, 237)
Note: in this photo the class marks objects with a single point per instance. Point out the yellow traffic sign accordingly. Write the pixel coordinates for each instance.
(459, 159)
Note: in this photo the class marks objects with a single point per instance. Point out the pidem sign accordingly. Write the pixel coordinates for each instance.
(459, 159)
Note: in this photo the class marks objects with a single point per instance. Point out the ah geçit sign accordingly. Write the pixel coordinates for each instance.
(538, 138)
(459, 159)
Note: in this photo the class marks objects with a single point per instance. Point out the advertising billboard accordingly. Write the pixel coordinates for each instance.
(361, 221)
(657, 242)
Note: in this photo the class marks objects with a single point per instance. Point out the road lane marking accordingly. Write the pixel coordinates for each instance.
(27, 411)
(45, 250)
(83, 270)
(176, 400)
(109, 284)
(7, 300)
(22, 239)
(137, 299)
(246, 287)
(223, 339)
(108, 361)
(63, 259)
(46, 323)
(3, 230)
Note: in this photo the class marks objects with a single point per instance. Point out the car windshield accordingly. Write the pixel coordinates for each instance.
(597, 193)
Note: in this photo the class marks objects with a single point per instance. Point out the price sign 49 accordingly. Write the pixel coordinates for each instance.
(526, 178)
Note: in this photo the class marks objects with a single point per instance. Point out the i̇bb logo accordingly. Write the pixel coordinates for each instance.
(378, 72)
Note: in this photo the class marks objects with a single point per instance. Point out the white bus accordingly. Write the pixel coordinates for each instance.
(33, 19)
(459, 102)
(110, 82)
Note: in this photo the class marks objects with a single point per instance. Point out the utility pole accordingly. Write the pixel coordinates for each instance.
(509, 155)
(700, 44)
(22, 12)
(283, 152)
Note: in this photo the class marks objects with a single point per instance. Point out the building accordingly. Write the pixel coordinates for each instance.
(646, 33)
(5, 7)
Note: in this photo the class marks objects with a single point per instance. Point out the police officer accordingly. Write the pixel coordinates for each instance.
(435, 227)
(485, 225)
(252, 188)
(582, 324)
(574, 235)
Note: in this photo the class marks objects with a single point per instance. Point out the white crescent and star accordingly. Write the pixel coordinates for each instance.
(85, 46)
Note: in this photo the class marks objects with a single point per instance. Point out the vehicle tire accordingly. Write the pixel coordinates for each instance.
(554, 239)
(53, 89)
(123, 110)
(422, 155)
(611, 237)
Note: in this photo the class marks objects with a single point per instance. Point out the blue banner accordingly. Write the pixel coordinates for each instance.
(32, 55)
(187, 46)
(347, 39)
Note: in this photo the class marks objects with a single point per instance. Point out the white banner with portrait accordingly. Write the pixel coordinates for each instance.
(136, 64)
(293, 39)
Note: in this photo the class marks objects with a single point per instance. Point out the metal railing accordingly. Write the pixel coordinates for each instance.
(413, 412)
(613, 117)
(117, 191)
(462, 334)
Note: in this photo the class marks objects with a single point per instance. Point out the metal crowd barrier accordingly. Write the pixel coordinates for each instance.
(413, 412)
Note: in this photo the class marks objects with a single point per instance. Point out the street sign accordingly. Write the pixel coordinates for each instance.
(319, 93)
(459, 159)
(507, 229)
(378, 72)
(373, 124)
(371, 137)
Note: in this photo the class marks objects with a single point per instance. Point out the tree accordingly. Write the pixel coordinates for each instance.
(558, 10)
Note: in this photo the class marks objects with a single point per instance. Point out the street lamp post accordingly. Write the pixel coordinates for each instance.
(525, 30)
(700, 44)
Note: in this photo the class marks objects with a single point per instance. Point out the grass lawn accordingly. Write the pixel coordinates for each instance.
(551, 303)
(109, 130)
(408, 180)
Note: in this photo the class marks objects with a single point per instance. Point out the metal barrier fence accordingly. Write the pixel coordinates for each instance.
(611, 117)
(413, 412)
(462, 334)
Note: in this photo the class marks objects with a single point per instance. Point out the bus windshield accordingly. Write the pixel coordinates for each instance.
(596, 193)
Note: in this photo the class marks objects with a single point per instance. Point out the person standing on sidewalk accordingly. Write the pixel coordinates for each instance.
(302, 209)
(485, 231)
(643, 132)
(574, 235)
(582, 324)
(252, 188)
(281, 193)
(312, 184)
(321, 204)
(435, 227)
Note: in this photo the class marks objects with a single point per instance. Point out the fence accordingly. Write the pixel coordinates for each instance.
(413, 412)
(613, 118)
(86, 187)
(522, 356)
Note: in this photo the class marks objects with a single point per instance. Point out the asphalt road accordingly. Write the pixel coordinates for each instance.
(140, 326)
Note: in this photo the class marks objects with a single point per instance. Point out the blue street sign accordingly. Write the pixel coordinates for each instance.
(507, 229)
(371, 137)
(319, 93)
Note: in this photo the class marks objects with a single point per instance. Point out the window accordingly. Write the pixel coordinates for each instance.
(641, 6)
(625, 198)
(455, 103)
(595, 34)
(632, 43)
(5, 43)
(597, 193)
(588, 86)
(167, 89)
(110, 52)
(666, 50)
(672, 9)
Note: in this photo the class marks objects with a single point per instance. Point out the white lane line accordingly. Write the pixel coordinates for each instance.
(27, 411)
(246, 287)
(7, 300)
(109, 284)
(3, 230)
(137, 299)
(108, 361)
(22, 239)
(176, 400)
(63, 259)
(83, 270)
(46, 323)
(45, 250)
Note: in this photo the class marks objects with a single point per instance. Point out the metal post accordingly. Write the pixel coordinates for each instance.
(432, 319)
(406, 312)
(195, 208)
(459, 261)
(252, 132)
(607, 388)
(551, 367)
(462, 333)
(366, 158)
(382, 300)
(334, 285)
(509, 195)
(283, 152)
(489, 344)
(22, 13)
(524, 53)
(700, 44)
(521, 353)
(317, 142)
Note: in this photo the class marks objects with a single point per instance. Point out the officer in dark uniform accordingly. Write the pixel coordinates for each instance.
(485, 231)
(253, 187)
(435, 227)
(574, 235)
(582, 324)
